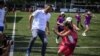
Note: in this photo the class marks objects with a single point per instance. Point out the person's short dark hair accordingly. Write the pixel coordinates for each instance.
(1, 2)
(48, 5)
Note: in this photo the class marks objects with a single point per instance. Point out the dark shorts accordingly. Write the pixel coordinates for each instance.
(1, 28)
(60, 28)
(87, 23)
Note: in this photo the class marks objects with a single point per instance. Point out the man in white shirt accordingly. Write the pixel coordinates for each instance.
(2, 16)
(39, 25)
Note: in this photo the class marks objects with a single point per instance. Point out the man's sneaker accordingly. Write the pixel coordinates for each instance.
(27, 53)
(83, 34)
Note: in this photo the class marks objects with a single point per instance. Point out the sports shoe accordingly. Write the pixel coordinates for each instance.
(27, 53)
(83, 34)
(57, 41)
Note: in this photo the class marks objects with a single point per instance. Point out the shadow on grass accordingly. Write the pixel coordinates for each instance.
(93, 30)
(24, 38)
(23, 41)
(92, 36)
(47, 52)
(37, 51)
(25, 44)
(95, 22)
(21, 37)
(81, 54)
(10, 19)
(50, 52)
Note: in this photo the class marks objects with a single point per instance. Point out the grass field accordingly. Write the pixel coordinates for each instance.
(23, 35)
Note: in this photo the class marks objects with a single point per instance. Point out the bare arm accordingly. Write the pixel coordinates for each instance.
(75, 27)
(59, 23)
(62, 34)
(30, 21)
(47, 28)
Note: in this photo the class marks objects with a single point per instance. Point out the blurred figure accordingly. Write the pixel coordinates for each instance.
(60, 27)
(2, 16)
(78, 19)
(14, 8)
(88, 16)
(39, 25)
(5, 43)
(69, 38)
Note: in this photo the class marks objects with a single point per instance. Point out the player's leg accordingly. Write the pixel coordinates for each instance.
(66, 51)
(57, 39)
(69, 51)
(61, 50)
(60, 54)
(81, 25)
(77, 23)
(87, 28)
(43, 38)
(31, 43)
(69, 48)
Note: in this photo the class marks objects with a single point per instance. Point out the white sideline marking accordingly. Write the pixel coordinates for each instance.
(13, 36)
(57, 47)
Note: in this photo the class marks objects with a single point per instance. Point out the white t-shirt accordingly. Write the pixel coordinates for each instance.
(40, 19)
(2, 16)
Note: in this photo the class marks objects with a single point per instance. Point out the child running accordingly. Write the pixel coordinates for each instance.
(69, 38)
(87, 21)
(60, 27)
(78, 18)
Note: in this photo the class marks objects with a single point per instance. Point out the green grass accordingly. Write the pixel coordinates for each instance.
(23, 34)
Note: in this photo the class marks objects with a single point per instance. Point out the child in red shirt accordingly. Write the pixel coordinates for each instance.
(69, 39)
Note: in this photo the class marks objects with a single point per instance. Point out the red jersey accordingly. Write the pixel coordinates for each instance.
(68, 43)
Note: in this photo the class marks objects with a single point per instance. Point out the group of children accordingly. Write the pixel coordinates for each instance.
(68, 32)
(88, 15)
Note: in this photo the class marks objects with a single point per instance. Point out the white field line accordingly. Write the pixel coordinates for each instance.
(57, 47)
(13, 36)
